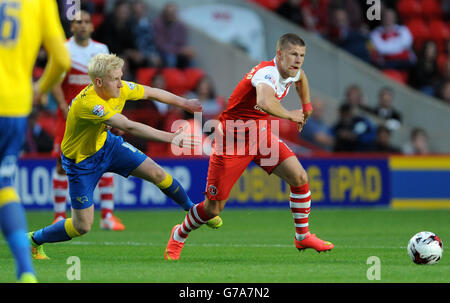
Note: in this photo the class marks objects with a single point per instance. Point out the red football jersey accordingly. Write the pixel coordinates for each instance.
(242, 102)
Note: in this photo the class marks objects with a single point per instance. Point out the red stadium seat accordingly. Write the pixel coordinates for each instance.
(431, 9)
(97, 19)
(175, 80)
(439, 33)
(420, 32)
(144, 75)
(193, 75)
(269, 4)
(401, 77)
(409, 9)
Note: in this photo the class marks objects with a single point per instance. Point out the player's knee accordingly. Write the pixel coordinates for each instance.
(82, 227)
(299, 178)
(158, 175)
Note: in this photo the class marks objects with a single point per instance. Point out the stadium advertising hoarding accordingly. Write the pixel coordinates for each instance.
(334, 182)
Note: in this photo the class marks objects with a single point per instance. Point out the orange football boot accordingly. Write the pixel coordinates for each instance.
(173, 249)
(311, 241)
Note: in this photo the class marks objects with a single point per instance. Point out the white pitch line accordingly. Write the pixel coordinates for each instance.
(131, 243)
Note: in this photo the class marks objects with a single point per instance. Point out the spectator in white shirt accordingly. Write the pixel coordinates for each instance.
(393, 43)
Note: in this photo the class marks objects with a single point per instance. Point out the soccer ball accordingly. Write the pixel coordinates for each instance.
(425, 248)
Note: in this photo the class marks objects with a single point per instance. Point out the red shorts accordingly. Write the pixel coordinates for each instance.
(226, 168)
(59, 135)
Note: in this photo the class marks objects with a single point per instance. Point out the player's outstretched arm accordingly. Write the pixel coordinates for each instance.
(266, 100)
(190, 105)
(147, 132)
(58, 94)
(302, 87)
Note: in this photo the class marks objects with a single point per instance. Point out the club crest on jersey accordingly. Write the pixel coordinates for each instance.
(99, 110)
(212, 190)
(131, 85)
(270, 78)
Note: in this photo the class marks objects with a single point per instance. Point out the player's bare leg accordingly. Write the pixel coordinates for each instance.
(291, 171)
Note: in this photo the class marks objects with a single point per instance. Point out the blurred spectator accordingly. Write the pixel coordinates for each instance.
(315, 15)
(291, 10)
(418, 144)
(315, 130)
(392, 43)
(144, 35)
(351, 132)
(205, 93)
(385, 109)
(171, 38)
(444, 92)
(382, 143)
(354, 11)
(354, 96)
(424, 76)
(445, 4)
(343, 35)
(116, 32)
(445, 78)
(37, 139)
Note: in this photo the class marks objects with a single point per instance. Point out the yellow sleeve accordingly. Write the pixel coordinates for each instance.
(54, 42)
(132, 91)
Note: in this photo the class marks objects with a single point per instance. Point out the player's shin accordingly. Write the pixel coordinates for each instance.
(195, 218)
(60, 189)
(60, 231)
(106, 189)
(173, 189)
(300, 204)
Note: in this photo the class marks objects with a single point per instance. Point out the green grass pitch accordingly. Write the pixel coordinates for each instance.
(253, 246)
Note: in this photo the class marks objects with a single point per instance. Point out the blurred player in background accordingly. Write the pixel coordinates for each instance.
(82, 48)
(256, 97)
(89, 149)
(24, 26)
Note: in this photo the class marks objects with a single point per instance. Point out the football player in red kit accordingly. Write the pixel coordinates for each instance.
(245, 134)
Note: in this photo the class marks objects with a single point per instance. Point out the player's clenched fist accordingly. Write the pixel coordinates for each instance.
(182, 138)
(193, 105)
(296, 115)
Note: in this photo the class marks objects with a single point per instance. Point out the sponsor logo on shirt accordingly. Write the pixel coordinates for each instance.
(270, 78)
(131, 85)
(99, 110)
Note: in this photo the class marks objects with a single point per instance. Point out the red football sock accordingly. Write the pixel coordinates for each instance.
(300, 204)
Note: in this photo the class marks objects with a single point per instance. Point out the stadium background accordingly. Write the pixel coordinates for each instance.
(229, 37)
(361, 199)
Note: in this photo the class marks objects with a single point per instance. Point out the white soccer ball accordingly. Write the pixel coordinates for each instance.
(425, 248)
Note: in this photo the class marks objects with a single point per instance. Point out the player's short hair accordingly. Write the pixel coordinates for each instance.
(101, 65)
(78, 15)
(289, 38)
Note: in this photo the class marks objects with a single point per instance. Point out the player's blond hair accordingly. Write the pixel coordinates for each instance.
(289, 38)
(101, 65)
